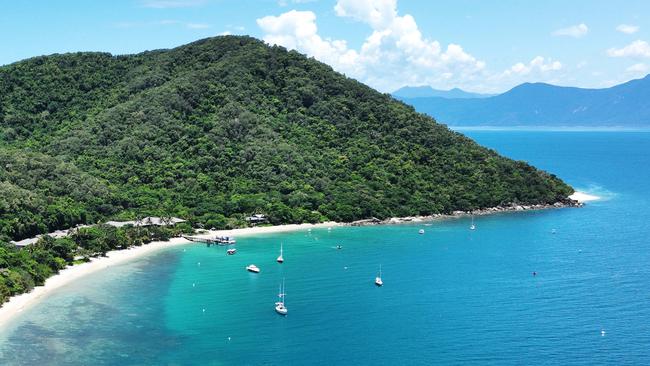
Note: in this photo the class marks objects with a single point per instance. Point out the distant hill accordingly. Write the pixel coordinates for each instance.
(539, 104)
(427, 91)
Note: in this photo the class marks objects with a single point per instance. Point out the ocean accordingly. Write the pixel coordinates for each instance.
(450, 295)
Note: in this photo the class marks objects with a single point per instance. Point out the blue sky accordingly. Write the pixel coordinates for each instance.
(478, 45)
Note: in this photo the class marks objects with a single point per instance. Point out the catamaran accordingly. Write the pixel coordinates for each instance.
(280, 259)
(279, 305)
(378, 280)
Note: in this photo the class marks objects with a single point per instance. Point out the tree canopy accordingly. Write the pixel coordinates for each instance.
(225, 127)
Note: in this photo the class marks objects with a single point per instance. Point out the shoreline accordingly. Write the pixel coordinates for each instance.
(569, 203)
(19, 303)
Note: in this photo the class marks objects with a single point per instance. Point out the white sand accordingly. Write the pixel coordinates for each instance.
(265, 229)
(583, 197)
(21, 302)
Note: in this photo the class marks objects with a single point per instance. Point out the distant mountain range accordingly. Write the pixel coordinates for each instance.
(539, 104)
(427, 91)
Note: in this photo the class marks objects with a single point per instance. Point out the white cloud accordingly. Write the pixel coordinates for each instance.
(627, 29)
(298, 30)
(539, 69)
(575, 31)
(639, 68)
(378, 14)
(393, 55)
(635, 49)
(166, 4)
(537, 65)
(224, 33)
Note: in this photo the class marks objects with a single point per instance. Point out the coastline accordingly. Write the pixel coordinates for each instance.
(575, 200)
(19, 303)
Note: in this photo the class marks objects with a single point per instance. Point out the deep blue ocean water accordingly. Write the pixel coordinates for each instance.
(450, 296)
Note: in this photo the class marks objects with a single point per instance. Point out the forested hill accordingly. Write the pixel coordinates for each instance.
(225, 127)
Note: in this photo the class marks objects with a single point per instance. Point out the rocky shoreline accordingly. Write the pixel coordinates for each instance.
(513, 207)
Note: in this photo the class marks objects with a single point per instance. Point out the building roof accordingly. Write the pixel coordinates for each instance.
(147, 221)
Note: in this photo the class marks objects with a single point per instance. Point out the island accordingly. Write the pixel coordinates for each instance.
(214, 133)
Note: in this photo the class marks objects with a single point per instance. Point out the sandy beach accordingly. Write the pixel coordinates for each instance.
(265, 229)
(21, 302)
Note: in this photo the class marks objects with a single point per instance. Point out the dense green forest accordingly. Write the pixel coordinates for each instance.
(224, 127)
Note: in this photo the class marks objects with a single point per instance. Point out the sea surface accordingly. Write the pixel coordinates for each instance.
(451, 296)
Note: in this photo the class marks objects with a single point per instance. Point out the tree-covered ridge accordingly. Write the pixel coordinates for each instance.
(227, 126)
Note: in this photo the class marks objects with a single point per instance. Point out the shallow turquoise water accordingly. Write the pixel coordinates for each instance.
(451, 296)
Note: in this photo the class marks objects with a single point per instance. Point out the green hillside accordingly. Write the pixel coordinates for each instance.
(224, 127)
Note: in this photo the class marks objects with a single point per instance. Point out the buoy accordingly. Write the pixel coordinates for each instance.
(204, 310)
(194, 284)
(534, 273)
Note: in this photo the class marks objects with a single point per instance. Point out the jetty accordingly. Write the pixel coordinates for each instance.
(217, 240)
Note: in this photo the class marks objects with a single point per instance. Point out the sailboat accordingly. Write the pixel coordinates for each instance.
(280, 258)
(472, 227)
(378, 280)
(279, 306)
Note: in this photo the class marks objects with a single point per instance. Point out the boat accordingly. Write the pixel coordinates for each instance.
(421, 231)
(280, 258)
(231, 251)
(252, 268)
(472, 226)
(280, 308)
(225, 240)
(378, 280)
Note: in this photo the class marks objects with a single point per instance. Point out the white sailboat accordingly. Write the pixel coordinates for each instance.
(472, 226)
(378, 280)
(279, 306)
(280, 258)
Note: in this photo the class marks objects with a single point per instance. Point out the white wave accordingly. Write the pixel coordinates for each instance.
(584, 197)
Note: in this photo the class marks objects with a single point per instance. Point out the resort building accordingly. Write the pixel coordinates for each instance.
(257, 219)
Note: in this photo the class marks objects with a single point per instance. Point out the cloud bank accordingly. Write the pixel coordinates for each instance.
(395, 53)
